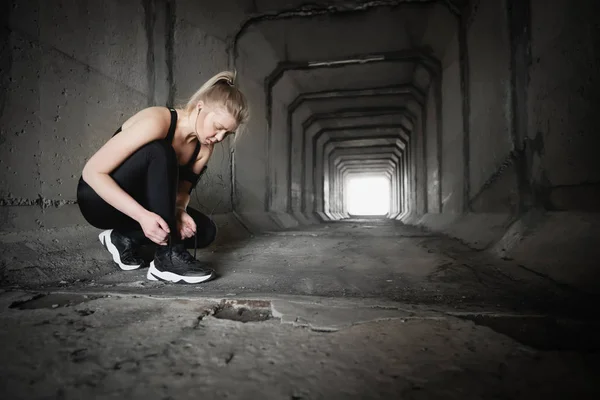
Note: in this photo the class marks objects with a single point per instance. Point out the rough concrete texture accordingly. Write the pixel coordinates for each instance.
(477, 230)
(563, 97)
(500, 194)
(356, 310)
(453, 174)
(432, 159)
(40, 214)
(342, 34)
(256, 60)
(278, 144)
(496, 99)
(362, 259)
(66, 92)
(561, 245)
(140, 347)
(489, 85)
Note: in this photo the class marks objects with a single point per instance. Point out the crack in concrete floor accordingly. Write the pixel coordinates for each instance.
(391, 261)
(343, 312)
(146, 347)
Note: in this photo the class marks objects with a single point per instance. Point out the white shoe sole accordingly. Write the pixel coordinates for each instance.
(154, 274)
(105, 240)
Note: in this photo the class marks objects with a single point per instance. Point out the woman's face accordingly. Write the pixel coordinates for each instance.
(214, 124)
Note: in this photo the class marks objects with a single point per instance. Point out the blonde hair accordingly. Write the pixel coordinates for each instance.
(221, 90)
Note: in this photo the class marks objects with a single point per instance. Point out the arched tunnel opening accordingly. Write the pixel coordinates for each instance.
(412, 209)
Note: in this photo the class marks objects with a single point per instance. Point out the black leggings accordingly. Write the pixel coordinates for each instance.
(150, 176)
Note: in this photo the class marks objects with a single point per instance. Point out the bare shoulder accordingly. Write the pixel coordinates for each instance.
(158, 116)
(145, 126)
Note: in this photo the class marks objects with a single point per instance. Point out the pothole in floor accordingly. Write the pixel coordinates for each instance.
(53, 300)
(243, 310)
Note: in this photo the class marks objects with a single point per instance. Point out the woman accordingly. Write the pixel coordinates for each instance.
(138, 185)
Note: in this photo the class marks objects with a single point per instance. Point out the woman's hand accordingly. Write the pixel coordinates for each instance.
(185, 224)
(155, 228)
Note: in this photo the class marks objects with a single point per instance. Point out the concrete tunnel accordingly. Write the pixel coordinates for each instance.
(475, 117)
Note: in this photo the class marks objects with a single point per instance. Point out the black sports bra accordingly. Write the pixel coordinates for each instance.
(185, 171)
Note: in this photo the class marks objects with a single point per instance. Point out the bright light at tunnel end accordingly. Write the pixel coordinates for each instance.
(368, 195)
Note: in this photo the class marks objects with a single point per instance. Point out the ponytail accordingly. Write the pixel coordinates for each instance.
(221, 91)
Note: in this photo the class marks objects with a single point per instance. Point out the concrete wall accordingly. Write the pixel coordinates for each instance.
(283, 94)
(432, 180)
(477, 154)
(531, 71)
(559, 236)
(547, 148)
(564, 98)
(75, 71)
(254, 59)
(453, 166)
(438, 34)
(409, 177)
(490, 143)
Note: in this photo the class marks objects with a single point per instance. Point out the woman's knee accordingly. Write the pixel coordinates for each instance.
(159, 150)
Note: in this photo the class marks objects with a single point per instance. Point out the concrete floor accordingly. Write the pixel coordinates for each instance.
(363, 309)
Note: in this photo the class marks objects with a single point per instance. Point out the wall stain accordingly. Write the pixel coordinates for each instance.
(541, 186)
(149, 21)
(5, 60)
(41, 201)
(512, 157)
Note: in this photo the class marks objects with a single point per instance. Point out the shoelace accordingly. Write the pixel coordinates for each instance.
(131, 249)
(170, 244)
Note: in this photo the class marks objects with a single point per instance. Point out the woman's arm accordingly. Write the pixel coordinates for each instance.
(113, 153)
(183, 198)
(186, 225)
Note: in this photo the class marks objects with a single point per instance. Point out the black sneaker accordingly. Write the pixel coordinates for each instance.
(123, 250)
(173, 263)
